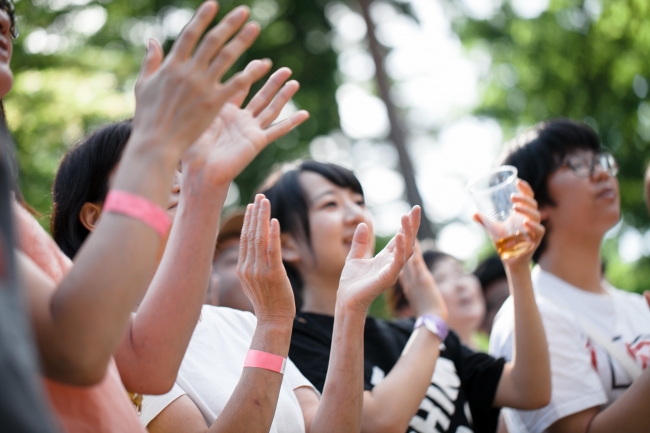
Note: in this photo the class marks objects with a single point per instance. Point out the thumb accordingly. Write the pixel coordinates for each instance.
(151, 62)
(479, 219)
(359, 242)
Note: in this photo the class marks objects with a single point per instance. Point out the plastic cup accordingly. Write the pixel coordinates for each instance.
(492, 194)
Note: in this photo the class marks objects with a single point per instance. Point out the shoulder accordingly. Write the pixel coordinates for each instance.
(227, 318)
(632, 302)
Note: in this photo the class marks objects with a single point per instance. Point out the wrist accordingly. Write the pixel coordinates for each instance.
(151, 147)
(272, 336)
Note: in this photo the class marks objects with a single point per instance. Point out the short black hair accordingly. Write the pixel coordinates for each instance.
(489, 270)
(290, 207)
(540, 151)
(83, 176)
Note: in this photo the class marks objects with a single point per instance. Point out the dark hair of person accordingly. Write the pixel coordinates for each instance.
(395, 297)
(489, 270)
(539, 152)
(290, 207)
(83, 176)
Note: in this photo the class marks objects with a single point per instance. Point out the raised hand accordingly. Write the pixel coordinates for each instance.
(363, 279)
(260, 267)
(420, 288)
(526, 206)
(178, 97)
(238, 135)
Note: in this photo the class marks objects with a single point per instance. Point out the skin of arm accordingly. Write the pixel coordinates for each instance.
(629, 413)
(390, 406)
(257, 391)
(526, 381)
(80, 323)
(150, 356)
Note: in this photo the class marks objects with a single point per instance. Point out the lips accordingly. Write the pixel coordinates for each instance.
(606, 194)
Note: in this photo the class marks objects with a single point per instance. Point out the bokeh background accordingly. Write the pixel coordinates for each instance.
(417, 96)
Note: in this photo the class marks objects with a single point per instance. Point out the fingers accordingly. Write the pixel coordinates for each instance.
(262, 241)
(359, 242)
(151, 62)
(275, 245)
(214, 40)
(479, 219)
(189, 37)
(530, 212)
(524, 199)
(254, 70)
(232, 51)
(243, 80)
(243, 244)
(525, 188)
(535, 230)
(271, 112)
(257, 242)
(282, 128)
(265, 95)
(391, 271)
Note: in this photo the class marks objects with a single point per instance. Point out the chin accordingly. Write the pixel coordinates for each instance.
(6, 80)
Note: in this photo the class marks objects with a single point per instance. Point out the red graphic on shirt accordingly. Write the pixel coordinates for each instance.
(640, 350)
(594, 357)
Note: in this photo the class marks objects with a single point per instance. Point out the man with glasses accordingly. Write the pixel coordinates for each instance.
(598, 336)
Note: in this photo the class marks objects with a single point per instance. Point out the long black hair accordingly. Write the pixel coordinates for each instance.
(83, 176)
(290, 207)
(539, 152)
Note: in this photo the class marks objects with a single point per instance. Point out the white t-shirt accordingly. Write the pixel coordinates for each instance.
(583, 374)
(213, 365)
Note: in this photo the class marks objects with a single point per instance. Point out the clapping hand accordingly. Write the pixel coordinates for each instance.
(420, 288)
(237, 135)
(177, 98)
(363, 279)
(260, 267)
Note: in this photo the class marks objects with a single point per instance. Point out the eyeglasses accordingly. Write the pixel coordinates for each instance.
(585, 165)
(8, 7)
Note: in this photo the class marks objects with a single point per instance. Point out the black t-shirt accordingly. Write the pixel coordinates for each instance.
(22, 409)
(459, 399)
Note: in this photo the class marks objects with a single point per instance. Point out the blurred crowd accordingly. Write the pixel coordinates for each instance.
(149, 309)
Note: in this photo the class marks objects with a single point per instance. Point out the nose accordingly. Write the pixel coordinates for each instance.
(600, 173)
(355, 213)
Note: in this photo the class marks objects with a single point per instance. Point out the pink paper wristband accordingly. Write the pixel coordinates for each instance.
(138, 208)
(267, 361)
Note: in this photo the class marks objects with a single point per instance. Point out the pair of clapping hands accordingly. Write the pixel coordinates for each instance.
(266, 284)
(182, 108)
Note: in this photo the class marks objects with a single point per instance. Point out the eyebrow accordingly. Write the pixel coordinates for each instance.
(323, 194)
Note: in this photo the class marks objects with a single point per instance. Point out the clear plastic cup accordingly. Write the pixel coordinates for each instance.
(492, 194)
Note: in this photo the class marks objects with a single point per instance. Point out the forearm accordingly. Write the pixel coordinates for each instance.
(528, 379)
(342, 400)
(150, 355)
(392, 403)
(629, 413)
(252, 405)
(91, 307)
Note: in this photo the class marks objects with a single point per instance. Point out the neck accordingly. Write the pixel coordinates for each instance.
(576, 261)
(319, 294)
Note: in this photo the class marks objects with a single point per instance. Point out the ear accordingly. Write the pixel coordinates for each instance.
(290, 248)
(89, 215)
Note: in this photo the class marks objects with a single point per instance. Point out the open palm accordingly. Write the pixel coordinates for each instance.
(363, 279)
(238, 134)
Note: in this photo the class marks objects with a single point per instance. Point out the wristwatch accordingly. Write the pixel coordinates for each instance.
(434, 324)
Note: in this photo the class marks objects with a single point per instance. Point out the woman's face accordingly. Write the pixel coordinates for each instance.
(584, 205)
(462, 294)
(334, 214)
(6, 50)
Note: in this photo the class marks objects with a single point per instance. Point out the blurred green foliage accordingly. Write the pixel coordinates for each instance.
(76, 62)
(586, 60)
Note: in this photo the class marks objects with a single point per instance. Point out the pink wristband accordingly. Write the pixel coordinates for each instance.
(268, 361)
(139, 208)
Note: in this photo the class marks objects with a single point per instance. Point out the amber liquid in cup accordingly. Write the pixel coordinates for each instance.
(513, 246)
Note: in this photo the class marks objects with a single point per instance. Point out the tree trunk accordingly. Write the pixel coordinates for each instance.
(397, 133)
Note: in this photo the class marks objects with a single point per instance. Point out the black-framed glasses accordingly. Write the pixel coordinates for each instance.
(8, 7)
(585, 165)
